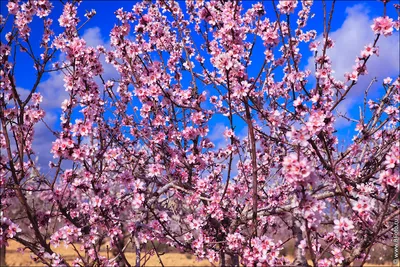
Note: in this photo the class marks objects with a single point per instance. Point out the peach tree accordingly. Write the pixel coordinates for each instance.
(134, 162)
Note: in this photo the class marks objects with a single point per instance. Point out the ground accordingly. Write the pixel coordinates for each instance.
(15, 258)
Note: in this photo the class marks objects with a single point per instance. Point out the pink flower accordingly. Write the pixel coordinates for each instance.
(295, 170)
(297, 102)
(37, 98)
(287, 6)
(197, 117)
(383, 25)
(387, 80)
(314, 46)
(391, 110)
(154, 170)
(316, 122)
(324, 263)
(300, 137)
(228, 133)
(13, 229)
(115, 232)
(12, 7)
(90, 14)
(195, 224)
(96, 202)
(303, 245)
(392, 158)
(78, 154)
(201, 185)
(138, 201)
(363, 205)
(389, 177)
(343, 225)
(359, 127)
(337, 255)
(353, 76)
(235, 241)
(369, 50)
(68, 18)
(163, 216)
(4, 50)
(372, 104)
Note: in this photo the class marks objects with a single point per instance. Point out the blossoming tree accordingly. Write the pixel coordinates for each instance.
(134, 165)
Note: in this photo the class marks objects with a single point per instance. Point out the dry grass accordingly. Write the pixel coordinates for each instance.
(15, 258)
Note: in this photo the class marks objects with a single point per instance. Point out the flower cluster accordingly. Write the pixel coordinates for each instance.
(383, 25)
(342, 227)
(262, 250)
(8, 229)
(287, 6)
(136, 155)
(296, 170)
(68, 234)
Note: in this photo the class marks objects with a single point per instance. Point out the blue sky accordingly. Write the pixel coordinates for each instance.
(350, 30)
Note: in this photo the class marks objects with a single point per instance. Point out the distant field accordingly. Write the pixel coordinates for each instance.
(15, 258)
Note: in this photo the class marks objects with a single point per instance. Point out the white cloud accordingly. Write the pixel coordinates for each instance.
(43, 140)
(350, 39)
(217, 132)
(93, 37)
(53, 91)
(23, 93)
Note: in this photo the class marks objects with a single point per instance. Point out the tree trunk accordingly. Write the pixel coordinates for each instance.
(235, 261)
(115, 251)
(229, 260)
(299, 253)
(2, 255)
(222, 259)
(137, 250)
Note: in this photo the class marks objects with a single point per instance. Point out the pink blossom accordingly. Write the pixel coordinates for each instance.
(337, 255)
(353, 76)
(391, 110)
(387, 80)
(343, 225)
(37, 98)
(316, 122)
(228, 133)
(392, 159)
(96, 201)
(383, 25)
(154, 170)
(68, 18)
(314, 46)
(287, 6)
(324, 263)
(235, 241)
(390, 177)
(136, 156)
(12, 7)
(12, 230)
(300, 137)
(197, 117)
(363, 206)
(295, 170)
(368, 51)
